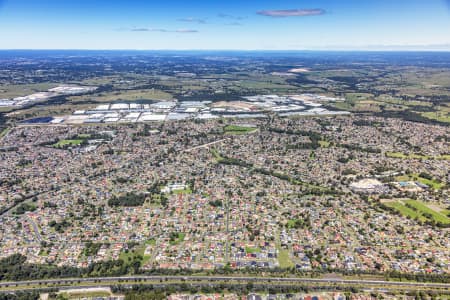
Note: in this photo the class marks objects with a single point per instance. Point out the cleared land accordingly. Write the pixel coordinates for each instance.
(125, 95)
(284, 260)
(19, 90)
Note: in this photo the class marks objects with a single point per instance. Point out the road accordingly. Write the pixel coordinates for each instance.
(204, 145)
(4, 134)
(35, 228)
(68, 282)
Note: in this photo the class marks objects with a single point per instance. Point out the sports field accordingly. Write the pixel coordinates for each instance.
(419, 210)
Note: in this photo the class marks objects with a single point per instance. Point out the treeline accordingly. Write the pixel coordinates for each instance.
(48, 143)
(159, 292)
(2, 122)
(8, 149)
(216, 203)
(444, 138)
(303, 146)
(419, 277)
(276, 174)
(91, 248)
(368, 123)
(409, 116)
(21, 295)
(163, 291)
(430, 220)
(24, 162)
(229, 95)
(314, 190)
(23, 208)
(315, 138)
(237, 162)
(300, 79)
(234, 162)
(59, 227)
(128, 200)
(359, 148)
(15, 268)
(22, 199)
(304, 223)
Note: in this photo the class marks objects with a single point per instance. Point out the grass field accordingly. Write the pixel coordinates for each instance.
(130, 95)
(438, 116)
(415, 156)
(4, 132)
(416, 86)
(64, 143)
(216, 154)
(48, 110)
(252, 250)
(18, 90)
(186, 191)
(424, 209)
(5, 109)
(179, 239)
(283, 259)
(137, 251)
(291, 223)
(435, 184)
(405, 211)
(404, 156)
(234, 129)
(324, 144)
(357, 106)
(419, 210)
(264, 83)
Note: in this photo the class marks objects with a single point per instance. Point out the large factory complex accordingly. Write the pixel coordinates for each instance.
(249, 107)
(25, 101)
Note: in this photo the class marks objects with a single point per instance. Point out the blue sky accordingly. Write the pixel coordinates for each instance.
(225, 24)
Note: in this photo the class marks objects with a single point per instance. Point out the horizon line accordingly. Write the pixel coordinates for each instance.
(241, 50)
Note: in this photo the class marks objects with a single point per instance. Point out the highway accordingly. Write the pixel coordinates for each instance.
(65, 282)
